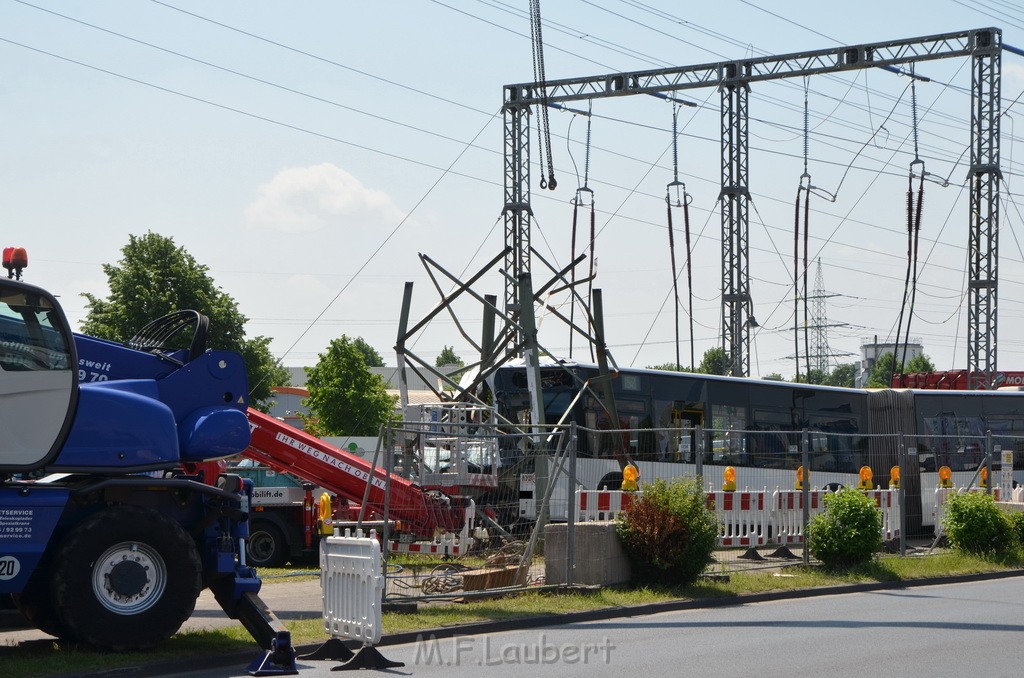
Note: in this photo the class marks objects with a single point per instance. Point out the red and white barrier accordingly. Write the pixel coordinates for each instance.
(598, 505)
(787, 509)
(889, 503)
(445, 545)
(748, 518)
(742, 517)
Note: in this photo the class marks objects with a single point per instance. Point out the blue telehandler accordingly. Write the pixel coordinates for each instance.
(108, 530)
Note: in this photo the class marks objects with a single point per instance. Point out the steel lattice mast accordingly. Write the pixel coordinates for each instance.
(821, 354)
(985, 175)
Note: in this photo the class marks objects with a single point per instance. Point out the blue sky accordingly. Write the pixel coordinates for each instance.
(282, 144)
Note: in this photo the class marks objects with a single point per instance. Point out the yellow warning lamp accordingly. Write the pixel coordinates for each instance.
(730, 479)
(894, 478)
(867, 479)
(630, 474)
(325, 514)
(800, 478)
(984, 476)
(945, 477)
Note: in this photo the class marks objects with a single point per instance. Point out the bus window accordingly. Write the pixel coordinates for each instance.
(635, 415)
(599, 443)
(728, 442)
(1008, 434)
(767, 444)
(634, 436)
(835, 445)
(629, 382)
(953, 441)
(678, 444)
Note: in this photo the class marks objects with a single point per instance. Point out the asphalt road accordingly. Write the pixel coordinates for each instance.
(942, 630)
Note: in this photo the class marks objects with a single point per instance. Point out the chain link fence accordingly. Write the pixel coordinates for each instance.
(523, 510)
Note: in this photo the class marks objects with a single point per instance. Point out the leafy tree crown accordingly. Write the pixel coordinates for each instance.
(155, 277)
(345, 397)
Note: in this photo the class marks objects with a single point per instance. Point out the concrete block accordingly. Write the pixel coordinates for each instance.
(598, 555)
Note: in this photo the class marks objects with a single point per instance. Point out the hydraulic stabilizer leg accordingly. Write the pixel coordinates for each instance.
(270, 634)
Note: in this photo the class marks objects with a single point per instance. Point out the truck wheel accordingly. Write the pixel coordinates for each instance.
(127, 578)
(36, 605)
(266, 546)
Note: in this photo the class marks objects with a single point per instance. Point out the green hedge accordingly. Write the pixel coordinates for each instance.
(848, 533)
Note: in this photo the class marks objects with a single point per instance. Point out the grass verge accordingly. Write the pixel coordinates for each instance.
(49, 658)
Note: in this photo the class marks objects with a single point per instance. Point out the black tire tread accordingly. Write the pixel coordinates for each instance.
(36, 605)
(85, 618)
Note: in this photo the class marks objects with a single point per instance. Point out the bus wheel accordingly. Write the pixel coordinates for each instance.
(611, 481)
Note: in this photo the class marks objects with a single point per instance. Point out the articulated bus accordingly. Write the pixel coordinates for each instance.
(757, 426)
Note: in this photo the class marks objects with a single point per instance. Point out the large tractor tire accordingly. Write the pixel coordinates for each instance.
(125, 579)
(36, 605)
(266, 546)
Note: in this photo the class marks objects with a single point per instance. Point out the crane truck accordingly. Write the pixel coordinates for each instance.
(105, 536)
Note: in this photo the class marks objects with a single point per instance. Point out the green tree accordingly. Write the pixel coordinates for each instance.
(155, 277)
(886, 365)
(815, 377)
(919, 363)
(670, 367)
(370, 355)
(974, 524)
(882, 372)
(447, 357)
(715, 361)
(345, 398)
(773, 376)
(843, 375)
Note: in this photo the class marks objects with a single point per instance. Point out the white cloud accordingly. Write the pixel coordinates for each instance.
(1013, 75)
(308, 199)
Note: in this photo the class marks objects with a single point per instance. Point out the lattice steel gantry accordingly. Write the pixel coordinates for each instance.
(734, 79)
